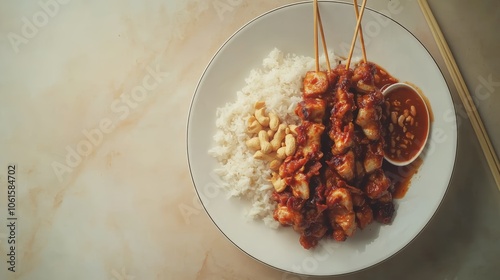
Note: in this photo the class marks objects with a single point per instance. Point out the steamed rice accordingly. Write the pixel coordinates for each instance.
(278, 82)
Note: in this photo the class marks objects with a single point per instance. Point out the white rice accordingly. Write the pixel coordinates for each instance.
(278, 82)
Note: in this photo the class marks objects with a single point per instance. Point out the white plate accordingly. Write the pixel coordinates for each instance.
(289, 28)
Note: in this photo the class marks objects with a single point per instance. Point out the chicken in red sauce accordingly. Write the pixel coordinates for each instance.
(335, 183)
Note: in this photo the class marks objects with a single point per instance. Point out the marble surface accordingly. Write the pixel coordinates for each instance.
(95, 98)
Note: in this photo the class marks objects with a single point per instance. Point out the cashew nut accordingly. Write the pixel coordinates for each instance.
(253, 144)
(278, 137)
(275, 165)
(270, 133)
(253, 125)
(260, 115)
(262, 156)
(259, 104)
(280, 153)
(278, 183)
(265, 146)
(274, 121)
(251, 120)
(292, 129)
(290, 145)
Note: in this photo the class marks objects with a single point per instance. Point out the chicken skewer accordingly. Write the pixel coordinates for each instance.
(300, 172)
(347, 204)
(369, 101)
(324, 194)
(311, 111)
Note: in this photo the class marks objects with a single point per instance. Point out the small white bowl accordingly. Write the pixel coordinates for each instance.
(397, 86)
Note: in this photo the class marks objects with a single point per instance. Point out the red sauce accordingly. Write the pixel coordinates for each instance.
(383, 79)
(401, 176)
(407, 121)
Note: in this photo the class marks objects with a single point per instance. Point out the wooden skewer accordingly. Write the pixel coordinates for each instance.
(323, 40)
(361, 38)
(316, 56)
(358, 24)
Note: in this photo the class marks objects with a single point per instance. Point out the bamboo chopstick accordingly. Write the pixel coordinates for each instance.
(463, 92)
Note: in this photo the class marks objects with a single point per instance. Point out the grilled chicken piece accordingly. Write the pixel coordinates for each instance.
(344, 101)
(341, 117)
(295, 178)
(310, 237)
(362, 87)
(300, 186)
(383, 212)
(342, 136)
(345, 165)
(341, 212)
(377, 185)
(364, 72)
(288, 212)
(292, 165)
(309, 139)
(315, 84)
(369, 103)
(285, 215)
(332, 77)
(364, 216)
(299, 180)
(374, 157)
(311, 109)
(369, 114)
(364, 213)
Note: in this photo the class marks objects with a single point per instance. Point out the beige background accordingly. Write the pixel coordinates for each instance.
(117, 212)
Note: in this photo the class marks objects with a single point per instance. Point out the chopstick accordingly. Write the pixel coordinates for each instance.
(361, 38)
(353, 43)
(463, 92)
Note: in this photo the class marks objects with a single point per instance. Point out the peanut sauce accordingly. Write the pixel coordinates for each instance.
(407, 123)
(427, 102)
